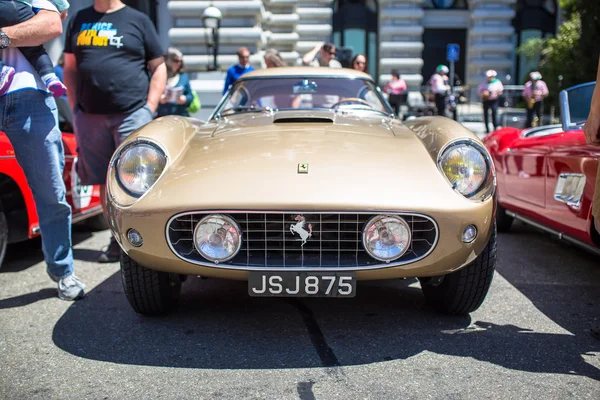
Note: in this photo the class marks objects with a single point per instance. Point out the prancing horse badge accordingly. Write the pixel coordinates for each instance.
(303, 168)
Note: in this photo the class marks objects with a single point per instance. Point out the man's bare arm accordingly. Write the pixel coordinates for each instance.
(70, 78)
(45, 25)
(158, 69)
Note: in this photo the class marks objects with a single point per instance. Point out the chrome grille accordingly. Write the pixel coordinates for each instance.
(268, 242)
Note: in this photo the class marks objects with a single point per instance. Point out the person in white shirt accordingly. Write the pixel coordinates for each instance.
(490, 92)
(440, 88)
(322, 56)
(29, 118)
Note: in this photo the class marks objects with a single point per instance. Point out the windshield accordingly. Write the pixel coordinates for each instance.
(264, 94)
(580, 99)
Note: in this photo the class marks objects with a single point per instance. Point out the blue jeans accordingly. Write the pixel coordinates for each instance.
(30, 120)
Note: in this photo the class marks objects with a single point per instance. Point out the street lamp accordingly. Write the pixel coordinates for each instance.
(211, 18)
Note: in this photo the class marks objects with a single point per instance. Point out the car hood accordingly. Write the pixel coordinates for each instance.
(252, 162)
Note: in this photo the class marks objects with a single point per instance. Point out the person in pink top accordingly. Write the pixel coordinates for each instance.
(534, 92)
(490, 92)
(396, 89)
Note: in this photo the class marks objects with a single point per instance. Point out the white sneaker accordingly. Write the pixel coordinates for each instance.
(70, 288)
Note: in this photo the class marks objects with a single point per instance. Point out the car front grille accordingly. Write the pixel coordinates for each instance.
(268, 241)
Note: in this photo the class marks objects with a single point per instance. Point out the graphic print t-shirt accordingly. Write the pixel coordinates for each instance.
(112, 52)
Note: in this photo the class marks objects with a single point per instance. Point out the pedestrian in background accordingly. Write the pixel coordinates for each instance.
(178, 95)
(440, 88)
(273, 59)
(534, 93)
(114, 86)
(322, 56)
(396, 90)
(239, 69)
(359, 63)
(29, 118)
(490, 92)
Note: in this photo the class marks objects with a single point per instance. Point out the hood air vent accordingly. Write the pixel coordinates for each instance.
(303, 118)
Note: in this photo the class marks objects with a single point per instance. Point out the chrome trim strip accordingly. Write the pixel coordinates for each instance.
(6, 157)
(248, 268)
(558, 234)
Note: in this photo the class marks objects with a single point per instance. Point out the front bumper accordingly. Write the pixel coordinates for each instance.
(449, 254)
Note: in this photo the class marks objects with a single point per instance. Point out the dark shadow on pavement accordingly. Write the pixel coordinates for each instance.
(22, 255)
(561, 280)
(25, 299)
(219, 327)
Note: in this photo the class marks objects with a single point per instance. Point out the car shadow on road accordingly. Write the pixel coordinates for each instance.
(219, 327)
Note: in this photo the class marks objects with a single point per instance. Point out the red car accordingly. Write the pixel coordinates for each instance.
(546, 175)
(18, 216)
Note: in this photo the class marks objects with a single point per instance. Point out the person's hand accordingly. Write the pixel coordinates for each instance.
(163, 99)
(64, 14)
(181, 100)
(592, 129)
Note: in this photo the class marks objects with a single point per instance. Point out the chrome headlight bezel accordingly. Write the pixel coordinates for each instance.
(119, 158)
(487, 187)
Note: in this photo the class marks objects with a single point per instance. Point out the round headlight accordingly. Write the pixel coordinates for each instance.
(386, 238)
(139, 166)
(465, 168)
(217, 238)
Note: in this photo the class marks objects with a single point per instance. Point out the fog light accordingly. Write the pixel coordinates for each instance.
(217, 238)
(386, 237)
(135, 238)
(469, 234)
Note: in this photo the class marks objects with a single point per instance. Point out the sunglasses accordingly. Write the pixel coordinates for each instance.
(177, 60)
(332, 53)
(359, 62)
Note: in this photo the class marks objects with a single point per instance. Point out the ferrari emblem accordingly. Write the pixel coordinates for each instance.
(299, 228)
(303, 168)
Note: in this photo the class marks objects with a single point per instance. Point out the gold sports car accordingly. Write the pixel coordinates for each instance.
(303, 182)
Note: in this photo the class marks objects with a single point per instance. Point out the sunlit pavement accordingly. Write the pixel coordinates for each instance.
(530, 339)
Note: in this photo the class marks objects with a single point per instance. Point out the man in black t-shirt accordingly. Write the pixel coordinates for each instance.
(115, 74)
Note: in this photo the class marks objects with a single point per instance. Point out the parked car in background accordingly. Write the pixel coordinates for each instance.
(18, 216)
(302, 183)
(546, 175)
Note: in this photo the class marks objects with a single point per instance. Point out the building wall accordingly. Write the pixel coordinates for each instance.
(296, 26)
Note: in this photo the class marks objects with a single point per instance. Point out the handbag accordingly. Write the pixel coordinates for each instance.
(195, 105)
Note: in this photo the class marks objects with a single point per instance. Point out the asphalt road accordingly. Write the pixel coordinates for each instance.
(529, 340)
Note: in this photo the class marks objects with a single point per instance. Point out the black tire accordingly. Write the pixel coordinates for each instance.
(96, 223)
(3, 235)
(463, 291)
(149, 292)
(503, 220)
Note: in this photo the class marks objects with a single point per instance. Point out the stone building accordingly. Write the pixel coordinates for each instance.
(407, 35)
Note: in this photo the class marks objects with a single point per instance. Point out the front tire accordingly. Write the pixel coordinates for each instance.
(463, 291)
(149, 292)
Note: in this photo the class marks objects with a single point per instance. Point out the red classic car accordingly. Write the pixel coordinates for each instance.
(546, 175)
(18, 216)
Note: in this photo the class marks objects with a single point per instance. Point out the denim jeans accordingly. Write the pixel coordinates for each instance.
(30, 120)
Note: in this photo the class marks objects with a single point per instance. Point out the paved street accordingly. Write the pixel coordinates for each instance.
(530, 339)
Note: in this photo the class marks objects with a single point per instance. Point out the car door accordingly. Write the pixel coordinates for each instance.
(525, 167)
(570, 184)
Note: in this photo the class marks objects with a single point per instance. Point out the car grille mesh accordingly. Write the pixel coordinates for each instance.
(268, 242)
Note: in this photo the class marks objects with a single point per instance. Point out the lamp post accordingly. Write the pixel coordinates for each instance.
(211, 18)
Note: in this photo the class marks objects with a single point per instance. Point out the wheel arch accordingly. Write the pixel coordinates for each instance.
(13, 204)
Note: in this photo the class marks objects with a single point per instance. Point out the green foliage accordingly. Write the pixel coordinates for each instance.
(560, 56)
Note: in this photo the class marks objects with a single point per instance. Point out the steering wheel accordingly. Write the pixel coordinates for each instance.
(351, 100)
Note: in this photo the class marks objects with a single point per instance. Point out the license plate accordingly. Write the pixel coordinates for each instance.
(301, 284)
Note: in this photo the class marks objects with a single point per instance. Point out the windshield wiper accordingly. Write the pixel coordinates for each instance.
(245, 109)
